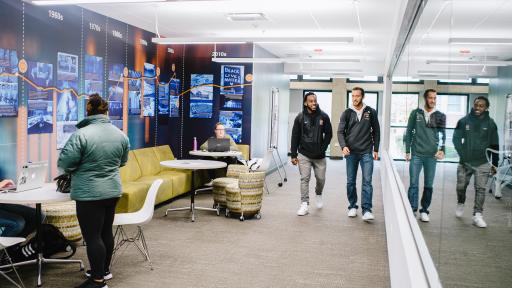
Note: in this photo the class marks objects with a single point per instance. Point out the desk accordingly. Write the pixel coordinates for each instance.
(46, 194)
(192, 165)
(215, 154)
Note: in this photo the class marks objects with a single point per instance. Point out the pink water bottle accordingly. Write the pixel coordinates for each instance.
(195, 144)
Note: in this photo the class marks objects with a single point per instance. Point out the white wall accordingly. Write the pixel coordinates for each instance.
(266, 76)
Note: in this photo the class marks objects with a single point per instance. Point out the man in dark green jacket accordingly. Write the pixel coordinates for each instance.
(473, 135)
(424, 127)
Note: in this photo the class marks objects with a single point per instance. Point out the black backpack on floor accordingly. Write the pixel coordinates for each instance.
(53, 243)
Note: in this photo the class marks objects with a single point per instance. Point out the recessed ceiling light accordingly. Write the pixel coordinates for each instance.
(481, 41)
(73, 2)
(470, 63)
(238, 40)
(246, 17)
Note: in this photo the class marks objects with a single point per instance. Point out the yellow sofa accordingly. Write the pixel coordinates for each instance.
(142, 168)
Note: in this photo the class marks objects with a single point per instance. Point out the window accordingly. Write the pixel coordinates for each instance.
(455, 81)
(370, 99)
(294, 77)
(482, 80)
(316, 78)
(402, 104)
(454, 106)
(405, 79)
(364, 79)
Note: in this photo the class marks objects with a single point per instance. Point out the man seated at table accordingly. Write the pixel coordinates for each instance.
(220, 133)
(16, 220)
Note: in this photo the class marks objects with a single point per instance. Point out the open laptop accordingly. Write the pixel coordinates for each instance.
(218, 145)
(31, 176)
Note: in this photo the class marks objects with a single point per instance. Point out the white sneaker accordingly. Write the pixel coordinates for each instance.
(319, 202)
(478, 220)
(303, 210)
(424, 217)
(368, 216)
(352, 212)
(459, 210)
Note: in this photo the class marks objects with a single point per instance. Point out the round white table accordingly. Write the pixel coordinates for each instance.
(46, 194)
(193, 165)
(203, 153)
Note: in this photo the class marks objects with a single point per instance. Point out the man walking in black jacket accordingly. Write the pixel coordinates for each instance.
(473, 135)
(311, 135)
(359, 136)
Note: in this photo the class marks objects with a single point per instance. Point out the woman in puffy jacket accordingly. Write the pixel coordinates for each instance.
(93, 156)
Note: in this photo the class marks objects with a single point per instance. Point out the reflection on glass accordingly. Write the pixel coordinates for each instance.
(397, 146)
(401, 107)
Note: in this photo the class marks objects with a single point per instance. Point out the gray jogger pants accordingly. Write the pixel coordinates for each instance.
(319, 166)
(464, 173)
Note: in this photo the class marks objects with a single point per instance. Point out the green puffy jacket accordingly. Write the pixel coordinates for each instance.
(93, 155)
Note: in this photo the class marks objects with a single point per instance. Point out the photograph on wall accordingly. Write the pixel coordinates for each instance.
(232, 121)
(149, 97)
(231, 80)
(93, 75)
(201, 96)
(174, 87)
(134, 88)
(174, 104)
(67, 103)
(115, 73)
(67, 66)
(115, 102)
(40, 116)
(8, 84)
(163, 98)
(64, 131)
(201, 87)
(149, 70)
(174, 98)
(115, 94)
(228, 102)
(40, 102)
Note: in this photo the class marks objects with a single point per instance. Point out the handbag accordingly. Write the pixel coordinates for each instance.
(63, 183)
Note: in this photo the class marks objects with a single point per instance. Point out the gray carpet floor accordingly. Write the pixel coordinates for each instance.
(323, 249)
(467, 256)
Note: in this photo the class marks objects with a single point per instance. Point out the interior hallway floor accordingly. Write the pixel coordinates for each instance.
(322, 249)
(466, 256)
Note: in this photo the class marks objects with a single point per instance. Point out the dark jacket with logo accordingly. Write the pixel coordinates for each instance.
(422, 137)
(360, 136)
(311, 134)
(473, 135)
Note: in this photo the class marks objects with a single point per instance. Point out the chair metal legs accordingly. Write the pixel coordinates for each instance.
(121, 238)
(6, 255)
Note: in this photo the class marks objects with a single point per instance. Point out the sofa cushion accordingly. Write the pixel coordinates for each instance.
(132, 199)
(148, 162)
(165, 190)
(245, 149)
(131, 171)
(181, 181)
(163, 153)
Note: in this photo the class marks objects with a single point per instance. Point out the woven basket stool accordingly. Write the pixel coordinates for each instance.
(63, 216)
(245, 197)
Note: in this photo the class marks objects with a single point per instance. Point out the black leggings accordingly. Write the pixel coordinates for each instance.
(96, 218)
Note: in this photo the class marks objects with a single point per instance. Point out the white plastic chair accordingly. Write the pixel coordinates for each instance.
(265, 164)
(503, 174)
(6, 242)
(139, 218)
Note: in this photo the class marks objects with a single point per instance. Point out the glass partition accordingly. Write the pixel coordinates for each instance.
(467, 209)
